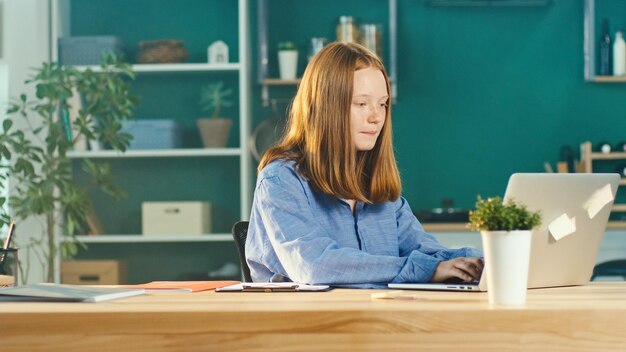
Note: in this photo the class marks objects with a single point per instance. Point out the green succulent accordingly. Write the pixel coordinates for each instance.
(213, 97)
(492, 214)
(286, 46)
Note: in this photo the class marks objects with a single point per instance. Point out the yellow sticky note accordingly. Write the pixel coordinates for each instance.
(394, 295)
(562, 226)
(598, 200)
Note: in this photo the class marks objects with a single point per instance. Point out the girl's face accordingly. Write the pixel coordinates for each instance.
(368, 108)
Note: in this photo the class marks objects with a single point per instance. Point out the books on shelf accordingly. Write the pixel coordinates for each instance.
(93, 223)
(65, 293)
(182, 286)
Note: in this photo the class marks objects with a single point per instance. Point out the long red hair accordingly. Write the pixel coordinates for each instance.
(318, 138)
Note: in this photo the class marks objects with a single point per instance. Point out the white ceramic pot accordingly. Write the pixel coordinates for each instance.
(507, 256)
(288, 64)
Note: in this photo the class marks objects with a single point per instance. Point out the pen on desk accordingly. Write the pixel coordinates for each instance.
(7, 240)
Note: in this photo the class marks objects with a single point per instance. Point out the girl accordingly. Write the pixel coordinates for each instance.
(327, 207)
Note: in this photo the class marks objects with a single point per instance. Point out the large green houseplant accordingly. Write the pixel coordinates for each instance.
(33, 152)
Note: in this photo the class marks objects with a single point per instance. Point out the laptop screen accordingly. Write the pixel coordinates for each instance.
(578, 202)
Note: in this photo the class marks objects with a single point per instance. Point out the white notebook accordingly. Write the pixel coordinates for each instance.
(65, 293)
(272, 287)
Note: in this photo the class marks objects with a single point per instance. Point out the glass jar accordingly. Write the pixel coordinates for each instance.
(371, 38)
(347, 30)
(315, 46)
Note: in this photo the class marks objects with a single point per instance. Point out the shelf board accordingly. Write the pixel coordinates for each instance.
(616, 225)
(610, 79)
(619, 208)
(453, 226)
(608, 156)
(494, 3)
(280, 82)
(156, 153)
(178, 67)
(217, 237)
(622, 181)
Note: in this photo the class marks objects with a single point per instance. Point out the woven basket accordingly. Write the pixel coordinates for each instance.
(161, 51)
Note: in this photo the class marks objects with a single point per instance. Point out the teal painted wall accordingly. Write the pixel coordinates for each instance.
(483, 92)
(488, 92)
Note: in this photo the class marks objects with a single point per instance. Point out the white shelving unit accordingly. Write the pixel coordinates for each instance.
(164, 68)
(159, 153)
(60, 27)
(215, 237)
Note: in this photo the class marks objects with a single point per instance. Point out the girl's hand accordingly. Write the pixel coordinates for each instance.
(463, 268)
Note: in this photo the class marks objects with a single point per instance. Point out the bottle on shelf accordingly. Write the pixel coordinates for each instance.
(316, 44)
(371, 37)
(619, 55)
(621, 169)
(347, 30)
(605, 49)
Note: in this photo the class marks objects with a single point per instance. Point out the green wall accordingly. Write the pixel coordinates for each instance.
(488, 92)
(483, 92)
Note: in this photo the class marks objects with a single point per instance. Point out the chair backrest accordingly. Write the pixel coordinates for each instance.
(240, 233)
(615, 267)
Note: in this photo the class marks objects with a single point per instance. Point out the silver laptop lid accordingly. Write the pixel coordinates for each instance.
(570, 260)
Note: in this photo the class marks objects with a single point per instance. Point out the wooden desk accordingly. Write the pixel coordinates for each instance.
(587, 318)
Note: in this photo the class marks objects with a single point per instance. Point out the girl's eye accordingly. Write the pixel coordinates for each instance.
(360, 104)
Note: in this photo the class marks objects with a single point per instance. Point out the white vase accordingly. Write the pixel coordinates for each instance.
(288, 63)
(507, 256)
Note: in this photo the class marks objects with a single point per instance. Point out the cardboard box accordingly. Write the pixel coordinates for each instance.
(175, 218)
(94, 272)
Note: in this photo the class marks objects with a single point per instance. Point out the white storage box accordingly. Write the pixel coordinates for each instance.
(175, 218)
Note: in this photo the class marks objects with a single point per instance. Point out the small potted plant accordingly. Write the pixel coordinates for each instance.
(287, 60)
(215, 130)
(506, 232)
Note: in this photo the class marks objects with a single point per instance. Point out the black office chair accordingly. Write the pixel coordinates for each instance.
(610, 268)
(240, 233)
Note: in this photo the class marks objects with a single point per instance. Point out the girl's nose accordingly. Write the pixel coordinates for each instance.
(377, 113)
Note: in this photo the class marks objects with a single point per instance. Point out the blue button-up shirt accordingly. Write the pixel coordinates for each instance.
(298, 234)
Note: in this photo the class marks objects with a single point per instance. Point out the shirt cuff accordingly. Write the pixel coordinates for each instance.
(419, 267)
(473, 252)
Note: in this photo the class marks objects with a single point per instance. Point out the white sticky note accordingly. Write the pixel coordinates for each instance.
(562, 226)
(598, 200)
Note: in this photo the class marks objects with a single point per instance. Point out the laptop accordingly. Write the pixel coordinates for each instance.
(570, 260)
